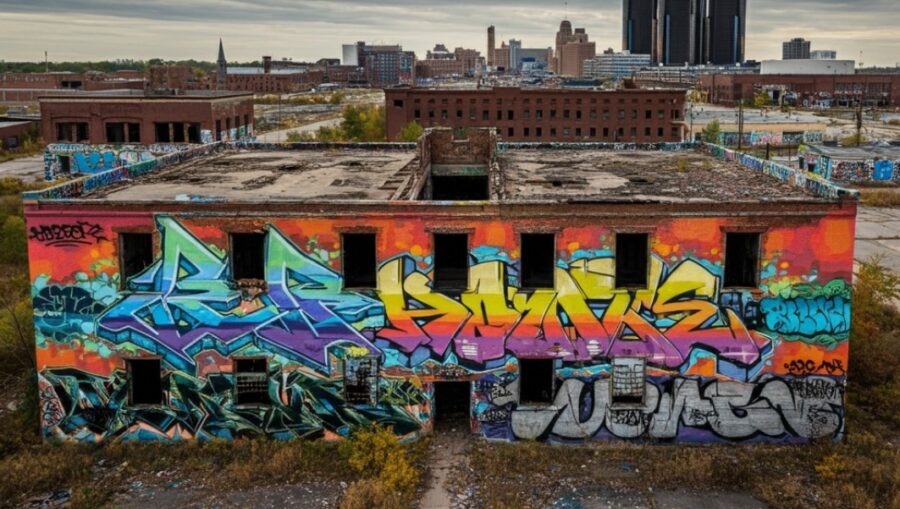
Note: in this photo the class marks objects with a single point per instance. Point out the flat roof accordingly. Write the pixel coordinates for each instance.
(570, 173)
(128, 93)
(272, 175)
(638, 176)
(859, 153)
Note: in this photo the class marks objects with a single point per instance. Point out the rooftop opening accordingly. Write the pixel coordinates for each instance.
(459, 182)
(536, 381)
(136, 254)
(248, 255)
(538, 260)
(251, 381)
(628, 380)
(741, 259)
(144, 381)
(359, 260)
(631, 260)
(451, 261)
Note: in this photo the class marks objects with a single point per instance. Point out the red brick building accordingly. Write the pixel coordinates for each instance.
(810, 89)
(640, 116)
(112, 118)
(27, 87)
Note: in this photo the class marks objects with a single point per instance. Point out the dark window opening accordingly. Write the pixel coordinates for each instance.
(536, 380)
(398, 103)
(134, 133)
(358, 250)
(218, 130)
(178, 132)
(361, 380)
(628, 380)
(137, 254)
(251, 381)
(81, 131)
(162, 132)
(741, 259)
(193, 133)
(63, 132)
(115, 132)
(459, 187)
(144, 382)
(451, 260)
(65, 165)
(538, 260)
(452, 401)
(248, 255)
(631, 260)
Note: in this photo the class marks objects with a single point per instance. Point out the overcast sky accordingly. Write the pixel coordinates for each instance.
(311, 29)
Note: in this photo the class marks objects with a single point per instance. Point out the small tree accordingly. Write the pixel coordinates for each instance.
(712, 132)
(761, 100)
(411, 132)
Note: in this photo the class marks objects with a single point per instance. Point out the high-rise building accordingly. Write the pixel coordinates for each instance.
(639, 26)
(492, 45)
(795, 49)
(615, 65)
(725, 28)
(679, 32)
(562, 37)
(572, 49)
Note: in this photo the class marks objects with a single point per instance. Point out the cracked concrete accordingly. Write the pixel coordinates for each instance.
(878, 234)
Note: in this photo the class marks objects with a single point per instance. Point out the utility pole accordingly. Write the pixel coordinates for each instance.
(859, 121)
(740, 124)
(46, 62)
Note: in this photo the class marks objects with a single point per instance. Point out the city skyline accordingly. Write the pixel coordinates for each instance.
(310, 29)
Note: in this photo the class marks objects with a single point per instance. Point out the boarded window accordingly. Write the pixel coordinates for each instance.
(359, 261)
(361, 380)
(741, 259)
(251, 381)
(451, 260)
(538, 260)
(144, 382)
(631, 260)
(248, 255)
(536, 380)
(628, 380)
(136, 254)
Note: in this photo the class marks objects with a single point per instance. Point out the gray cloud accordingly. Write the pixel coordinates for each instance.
(309, 29)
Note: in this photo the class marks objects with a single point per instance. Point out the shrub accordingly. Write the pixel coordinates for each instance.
(389, 476)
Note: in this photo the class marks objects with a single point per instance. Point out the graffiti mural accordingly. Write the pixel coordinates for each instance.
(721, 363)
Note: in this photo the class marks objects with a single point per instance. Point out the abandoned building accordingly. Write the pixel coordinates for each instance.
(670, 292)
(875, 162)
(543, 114)
(89, 133)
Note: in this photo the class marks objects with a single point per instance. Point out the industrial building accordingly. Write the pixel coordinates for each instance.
(560, 292)
(543, 114)
(807, 90)
(879, 163)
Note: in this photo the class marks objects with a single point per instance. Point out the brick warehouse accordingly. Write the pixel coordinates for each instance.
(146, 118)
(561, 292)
(811, 89)
(541, 114)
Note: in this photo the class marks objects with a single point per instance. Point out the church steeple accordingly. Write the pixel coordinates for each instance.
(222, 69)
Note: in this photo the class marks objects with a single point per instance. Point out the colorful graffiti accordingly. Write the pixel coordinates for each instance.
(92, 159)
(849, 170)
(722, 363)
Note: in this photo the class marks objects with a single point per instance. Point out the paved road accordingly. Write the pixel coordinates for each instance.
(878, 233)
(27, 168)
(281, 136)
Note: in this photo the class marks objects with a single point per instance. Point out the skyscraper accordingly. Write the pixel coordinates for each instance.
(491, 46)
(221, 69)
(796, 48)
(679, 32)
(562, 37)
(725, 31)
(639, 26)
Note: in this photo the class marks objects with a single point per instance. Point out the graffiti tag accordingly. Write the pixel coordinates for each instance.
(81, 232)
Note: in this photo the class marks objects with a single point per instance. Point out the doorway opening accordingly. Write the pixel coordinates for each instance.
(451, 404)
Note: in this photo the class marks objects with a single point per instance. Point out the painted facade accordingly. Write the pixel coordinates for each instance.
(722, 364)
(851, 169)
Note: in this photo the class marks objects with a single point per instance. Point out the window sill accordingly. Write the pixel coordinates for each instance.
(536, 405)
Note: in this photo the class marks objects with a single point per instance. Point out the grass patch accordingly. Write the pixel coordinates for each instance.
(880, 197)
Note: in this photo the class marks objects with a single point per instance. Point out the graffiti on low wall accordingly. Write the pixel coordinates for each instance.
(92, 159)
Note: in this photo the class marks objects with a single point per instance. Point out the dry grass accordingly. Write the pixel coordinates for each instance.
(880, 197)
